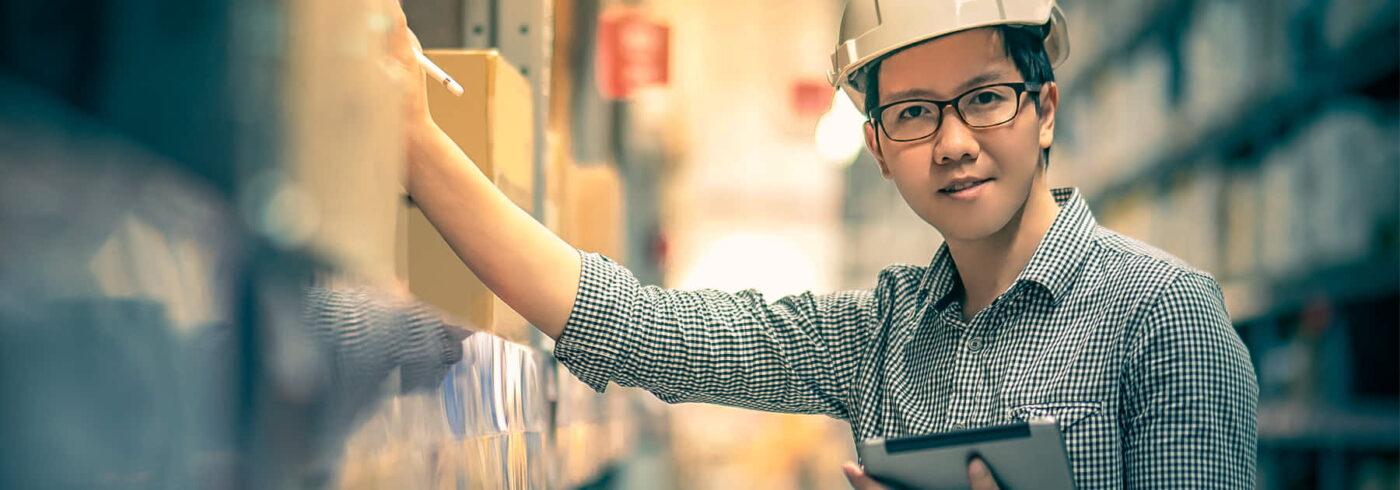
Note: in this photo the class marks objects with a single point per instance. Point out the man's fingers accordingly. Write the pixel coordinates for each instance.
(858, 478)
(980, 476)
(403, 50)
(413, 39)
(400, 44)
(394, 9)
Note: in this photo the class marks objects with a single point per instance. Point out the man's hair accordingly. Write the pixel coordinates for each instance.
(1025, 45)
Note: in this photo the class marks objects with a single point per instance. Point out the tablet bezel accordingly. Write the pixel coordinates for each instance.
(1022, 455)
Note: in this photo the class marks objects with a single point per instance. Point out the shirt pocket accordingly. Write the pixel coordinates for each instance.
(1066, 414)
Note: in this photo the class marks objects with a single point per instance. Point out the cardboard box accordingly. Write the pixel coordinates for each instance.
(338, 192)
(436, 275)
(492, 123)
(591, 209)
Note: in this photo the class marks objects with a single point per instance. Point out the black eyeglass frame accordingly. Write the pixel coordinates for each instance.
(942, 105)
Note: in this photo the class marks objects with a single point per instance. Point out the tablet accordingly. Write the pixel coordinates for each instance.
(1021, 455)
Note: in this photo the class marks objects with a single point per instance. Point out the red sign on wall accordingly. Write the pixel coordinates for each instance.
(633, 51)
(811, 98)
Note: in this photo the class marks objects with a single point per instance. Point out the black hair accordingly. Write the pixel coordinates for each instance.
(1025, 45)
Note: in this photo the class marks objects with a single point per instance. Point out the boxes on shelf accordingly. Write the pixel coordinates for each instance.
(1218, 43)
(1350, 181)
(1135, 116)
(492, 123)
(1324, 189)
(1270, 65)
(1188, 225)
(556, 174)
(1132, 214)
(591, 209)
(336, 195)
(483, 427)
(585, 204)
(591, 430)
(1344, 23)
(1243, 213)
(1121, 122)
(713, 446)
(1281, 229)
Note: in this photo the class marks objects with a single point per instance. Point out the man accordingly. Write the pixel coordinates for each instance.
(1028, 309)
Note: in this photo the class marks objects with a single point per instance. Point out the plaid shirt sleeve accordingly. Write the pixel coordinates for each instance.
(797, 354)
(1190, 416)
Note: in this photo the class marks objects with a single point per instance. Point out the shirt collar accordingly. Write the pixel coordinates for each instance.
(1054, 264)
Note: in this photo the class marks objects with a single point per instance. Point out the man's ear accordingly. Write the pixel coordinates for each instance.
(873, 143)
(1049, 102)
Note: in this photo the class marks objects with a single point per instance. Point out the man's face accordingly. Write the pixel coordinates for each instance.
(1004, 159)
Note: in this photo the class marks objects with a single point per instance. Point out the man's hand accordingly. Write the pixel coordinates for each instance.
(859, 480)
(403, 62)
(979, 477)
(525, 264)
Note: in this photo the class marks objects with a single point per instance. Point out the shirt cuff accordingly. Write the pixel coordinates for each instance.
(595, 342)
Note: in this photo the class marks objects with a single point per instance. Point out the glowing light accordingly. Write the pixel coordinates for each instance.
(772, 263)
(839, 135)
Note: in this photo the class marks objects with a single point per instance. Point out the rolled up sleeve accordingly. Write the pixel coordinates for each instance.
(797, 354)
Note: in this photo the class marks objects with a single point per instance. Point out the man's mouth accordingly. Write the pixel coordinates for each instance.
(962, 186)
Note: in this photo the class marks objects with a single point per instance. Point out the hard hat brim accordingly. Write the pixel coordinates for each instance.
(854, 54)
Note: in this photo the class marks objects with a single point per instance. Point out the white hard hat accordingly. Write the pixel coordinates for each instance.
(873, 28)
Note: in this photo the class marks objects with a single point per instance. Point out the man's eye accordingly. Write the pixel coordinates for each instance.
(988, 97)
(913, 112)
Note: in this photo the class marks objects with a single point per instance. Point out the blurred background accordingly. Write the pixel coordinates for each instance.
(174, 174)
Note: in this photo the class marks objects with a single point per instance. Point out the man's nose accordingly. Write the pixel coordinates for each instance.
(954, 142)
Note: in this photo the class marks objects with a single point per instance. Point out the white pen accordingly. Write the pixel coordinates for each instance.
(439, 75)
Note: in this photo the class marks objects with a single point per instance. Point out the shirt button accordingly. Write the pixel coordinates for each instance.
(974, 344)
(959, 426)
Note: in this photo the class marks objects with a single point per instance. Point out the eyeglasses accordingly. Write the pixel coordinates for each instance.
(981, 107)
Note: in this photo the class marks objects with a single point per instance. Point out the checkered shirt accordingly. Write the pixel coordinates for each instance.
(1130, 349)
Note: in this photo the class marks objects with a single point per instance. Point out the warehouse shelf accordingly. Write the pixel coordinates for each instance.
(1140, 28)
(1373, 425)
(1262, 118)
(1253, 298)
